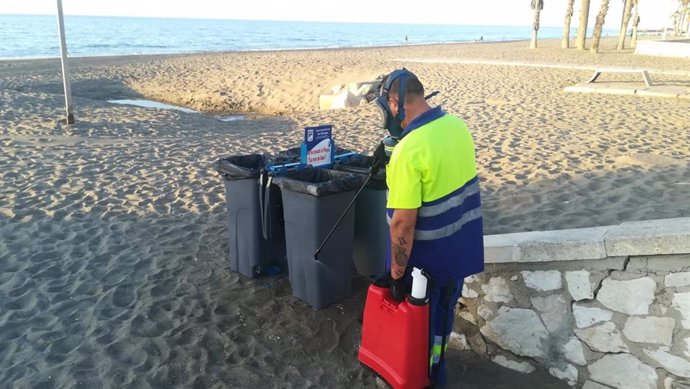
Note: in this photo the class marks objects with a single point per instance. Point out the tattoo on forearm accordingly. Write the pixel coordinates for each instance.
(400, 254)
(399, 273)
(402, 241)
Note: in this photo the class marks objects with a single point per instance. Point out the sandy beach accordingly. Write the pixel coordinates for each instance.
(113, 247)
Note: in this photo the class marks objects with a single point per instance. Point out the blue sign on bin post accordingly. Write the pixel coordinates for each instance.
(317, 149)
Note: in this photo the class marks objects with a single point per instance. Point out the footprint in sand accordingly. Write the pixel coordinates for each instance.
(123, 296)
(65, 345)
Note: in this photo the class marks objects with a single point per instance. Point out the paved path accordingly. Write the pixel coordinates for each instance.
(637, 89)
(531, 65)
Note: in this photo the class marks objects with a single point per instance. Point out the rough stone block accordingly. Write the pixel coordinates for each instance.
(623, 371)
(553, 311)
(657, 330)
(579, 285)
(519, 331)
(575, 352)
(604, 338)
(673, 364)
(594, 385)
(458, 341)
(675, 383)
(631, 297)
(471, 279)
(681, 303)
(467, 316)
(522, 367)
(468, 292)
(651, 237)
(675, 280)
(542, 280)
(588, 316)
(484, 311)
(569, 374)
(497, 290)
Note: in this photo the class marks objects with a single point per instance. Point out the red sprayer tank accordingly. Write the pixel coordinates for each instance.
(395, 339)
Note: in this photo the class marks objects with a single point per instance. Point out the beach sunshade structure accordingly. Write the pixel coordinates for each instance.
(69, 115)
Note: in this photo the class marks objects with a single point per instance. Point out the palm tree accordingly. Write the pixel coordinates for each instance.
(627, 10)
(537, 6)
(681, 17)
(636, 22)
(676, 16)
(565, 43)
(598, 25)
(582, 29)
(685, 6)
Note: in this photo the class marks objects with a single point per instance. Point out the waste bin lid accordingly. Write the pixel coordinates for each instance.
(319, 182)
(240, 166)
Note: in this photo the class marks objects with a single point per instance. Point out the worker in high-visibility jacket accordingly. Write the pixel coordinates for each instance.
(434, 207)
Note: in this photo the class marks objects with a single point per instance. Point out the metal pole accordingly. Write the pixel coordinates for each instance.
(69, 118)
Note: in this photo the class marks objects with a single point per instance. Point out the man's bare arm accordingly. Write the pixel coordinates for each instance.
(402, 237)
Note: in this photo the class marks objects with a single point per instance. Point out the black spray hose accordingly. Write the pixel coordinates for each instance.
(316, 254)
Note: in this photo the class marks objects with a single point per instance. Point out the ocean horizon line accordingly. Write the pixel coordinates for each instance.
(526, 25)
(183, 53)
(89, 36)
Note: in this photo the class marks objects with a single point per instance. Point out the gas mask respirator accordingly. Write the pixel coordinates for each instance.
(393, 123)
(389, 121)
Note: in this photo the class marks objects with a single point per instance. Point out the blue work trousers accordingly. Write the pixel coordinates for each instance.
(441, 317)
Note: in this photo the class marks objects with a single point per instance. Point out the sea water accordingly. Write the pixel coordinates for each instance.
(33, 36)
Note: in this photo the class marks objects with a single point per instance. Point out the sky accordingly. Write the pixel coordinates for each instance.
(654, 14)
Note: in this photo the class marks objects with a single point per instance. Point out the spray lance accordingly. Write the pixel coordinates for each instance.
(390, 122)
(378, 163)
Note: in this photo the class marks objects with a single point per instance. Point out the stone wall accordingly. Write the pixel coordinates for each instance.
(599, 307)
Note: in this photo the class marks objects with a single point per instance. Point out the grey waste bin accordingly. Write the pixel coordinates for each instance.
(371, 227)
(254, 215)
(313, 200)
